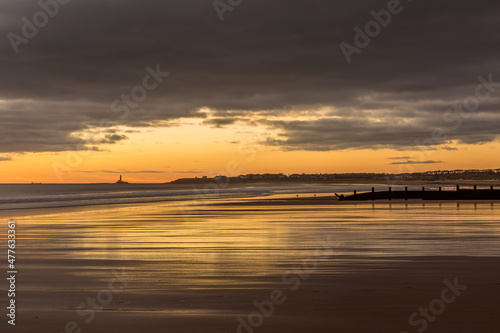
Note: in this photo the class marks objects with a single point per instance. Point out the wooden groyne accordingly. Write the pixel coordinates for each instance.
(427, 194)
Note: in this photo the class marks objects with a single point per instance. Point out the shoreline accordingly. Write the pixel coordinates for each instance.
(334, 201)
(203, 274)
(302, 201)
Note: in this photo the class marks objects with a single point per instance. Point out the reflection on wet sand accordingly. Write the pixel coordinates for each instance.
(201, 271)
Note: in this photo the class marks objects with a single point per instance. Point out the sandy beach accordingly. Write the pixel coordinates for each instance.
(369, 296)
(260, 265)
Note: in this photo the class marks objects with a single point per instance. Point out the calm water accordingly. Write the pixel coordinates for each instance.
(73, 195)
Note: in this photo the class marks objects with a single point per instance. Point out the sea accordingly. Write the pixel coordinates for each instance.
(27, 196)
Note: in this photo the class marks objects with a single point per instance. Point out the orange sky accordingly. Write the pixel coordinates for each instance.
(193, 149)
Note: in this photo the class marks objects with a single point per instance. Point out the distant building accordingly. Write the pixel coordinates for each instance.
(120, 181)
(220, 178)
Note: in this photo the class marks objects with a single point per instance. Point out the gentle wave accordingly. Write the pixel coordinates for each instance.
(66, 195)
(22, 201)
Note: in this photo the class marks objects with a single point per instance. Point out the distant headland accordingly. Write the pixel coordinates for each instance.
(487, 175)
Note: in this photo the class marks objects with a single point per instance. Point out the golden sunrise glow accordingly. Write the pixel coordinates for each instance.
(192, 149)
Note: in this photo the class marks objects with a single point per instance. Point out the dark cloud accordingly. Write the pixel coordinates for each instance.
(278, 55)
(193, 172)
(219, 122)
(113, 138)
(3, 158)
(380, 130)
(399, 158)
(121, 171)
(418, 162)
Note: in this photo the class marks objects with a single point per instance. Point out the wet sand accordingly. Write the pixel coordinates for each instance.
(361, 268)
(365, 298)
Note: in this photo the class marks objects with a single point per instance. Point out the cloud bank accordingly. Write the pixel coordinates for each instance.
(264, 56)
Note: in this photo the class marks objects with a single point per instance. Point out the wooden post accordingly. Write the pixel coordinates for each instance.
(458, 188)
(439, 188)
(475, 187)
(406, 192)
(491, 187)
(390, 193)
(354, 192)
(373, 193)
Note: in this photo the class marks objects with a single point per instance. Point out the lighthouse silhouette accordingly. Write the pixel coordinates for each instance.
(120, 181)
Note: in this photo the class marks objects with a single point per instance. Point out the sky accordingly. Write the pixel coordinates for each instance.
(160, 90)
